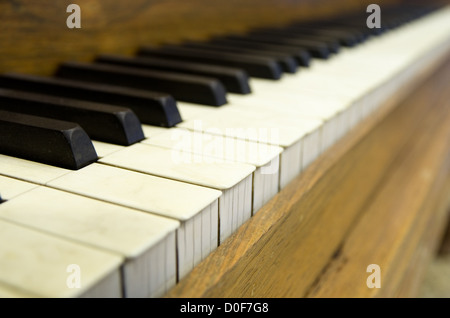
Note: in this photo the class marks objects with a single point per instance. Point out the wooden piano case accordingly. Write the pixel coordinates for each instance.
(379, 196)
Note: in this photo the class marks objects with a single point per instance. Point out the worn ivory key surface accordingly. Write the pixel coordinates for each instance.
(138, 237)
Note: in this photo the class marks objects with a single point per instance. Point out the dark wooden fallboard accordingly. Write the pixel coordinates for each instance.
(34, 36)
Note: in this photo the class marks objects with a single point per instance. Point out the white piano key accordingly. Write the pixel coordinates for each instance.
(262, 127)
(215, 148)
(151, 131)
(290, 96)
(185, 240)
(107, 286)
(307, 84)
(124, 231)
(165, 197)
(161, 196)
(238, 202)
(181, 166)
(171, 267)
(10, 188)
(163, 162)
(38, 262)
(198, 244)
(29, 170)
(312, 148)
(348, 87)
(103, 149)
(335, 122)
(266, 183)
(144, 192)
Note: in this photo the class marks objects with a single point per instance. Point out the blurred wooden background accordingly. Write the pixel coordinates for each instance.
(34, 36)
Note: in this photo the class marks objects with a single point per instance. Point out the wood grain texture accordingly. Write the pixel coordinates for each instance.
(438, 205)
(35, 39)
(287, 247)
(444, 247)
(392, 228)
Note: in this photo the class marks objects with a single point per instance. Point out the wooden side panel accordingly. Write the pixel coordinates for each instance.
(407, 215)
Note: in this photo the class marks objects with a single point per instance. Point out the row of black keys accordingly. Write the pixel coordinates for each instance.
(53, 119)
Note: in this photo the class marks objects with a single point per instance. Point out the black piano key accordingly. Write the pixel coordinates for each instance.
(302, 56)
(1, 200)
(255, 66)
(235, 80)
(183, 87)
(54, 142)
(158, 109)
(316, 49)
(288, 62)
(102, 122)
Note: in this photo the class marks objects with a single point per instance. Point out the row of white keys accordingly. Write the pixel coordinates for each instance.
(292, 134)
(35, 264)
(394, 54)
(11, 188)
(249, 140)
(334, 96)
(314, 109)
(305, 107)
(140, 238)
(274, 115)
(209, 160)
(233, 179)
(348, 87)
(304, 131)
(199, 164)
(193, 207)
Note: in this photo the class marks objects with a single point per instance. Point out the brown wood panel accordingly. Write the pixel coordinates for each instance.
(405, 216)
(286, 247)
(437, 204)
(34, 37)
(445, 244)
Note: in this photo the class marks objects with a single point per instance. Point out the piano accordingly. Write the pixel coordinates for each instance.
(222, 149)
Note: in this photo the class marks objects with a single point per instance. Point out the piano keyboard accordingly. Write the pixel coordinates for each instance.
(188, 142)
